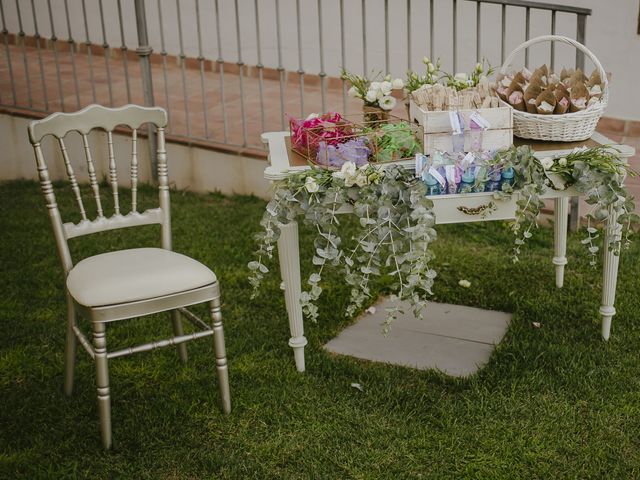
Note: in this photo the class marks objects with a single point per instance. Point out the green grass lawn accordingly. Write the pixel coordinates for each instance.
(553, 402)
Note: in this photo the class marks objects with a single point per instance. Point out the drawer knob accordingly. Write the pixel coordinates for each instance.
(481, 210)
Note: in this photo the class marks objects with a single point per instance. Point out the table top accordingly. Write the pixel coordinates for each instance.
(283, 160)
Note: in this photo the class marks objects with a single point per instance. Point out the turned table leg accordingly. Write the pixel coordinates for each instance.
(609, 273)
(561, 212)
(289, 255)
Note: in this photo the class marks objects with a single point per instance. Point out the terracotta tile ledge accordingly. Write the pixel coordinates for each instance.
(619, 127)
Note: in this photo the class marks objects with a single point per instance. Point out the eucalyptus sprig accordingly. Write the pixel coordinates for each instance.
(530, 182)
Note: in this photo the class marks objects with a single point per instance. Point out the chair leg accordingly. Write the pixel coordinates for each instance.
(102, 382)
(221, 356)
(177, 331)
(70, 347)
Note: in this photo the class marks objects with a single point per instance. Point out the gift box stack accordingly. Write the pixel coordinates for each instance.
(463, 131)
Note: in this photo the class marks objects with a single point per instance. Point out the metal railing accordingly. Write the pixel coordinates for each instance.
(243, 65)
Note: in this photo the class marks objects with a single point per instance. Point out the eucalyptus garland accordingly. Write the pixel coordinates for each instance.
(597, 173)
(396, 218)
(395, 231)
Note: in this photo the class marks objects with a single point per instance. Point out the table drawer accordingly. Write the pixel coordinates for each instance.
(472, 207)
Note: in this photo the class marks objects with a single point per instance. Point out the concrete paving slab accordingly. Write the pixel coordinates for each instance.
(454, 339)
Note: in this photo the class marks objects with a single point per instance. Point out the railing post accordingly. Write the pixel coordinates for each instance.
(144, 51)
(581, 34)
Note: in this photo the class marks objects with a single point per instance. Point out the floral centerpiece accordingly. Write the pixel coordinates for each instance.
(376, 93)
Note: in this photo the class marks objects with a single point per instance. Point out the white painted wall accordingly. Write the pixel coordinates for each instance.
(611, 34)
(190, 168)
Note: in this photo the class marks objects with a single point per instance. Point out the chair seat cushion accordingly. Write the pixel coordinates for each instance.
(135, 274)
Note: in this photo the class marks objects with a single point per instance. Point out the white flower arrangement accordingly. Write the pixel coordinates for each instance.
(374, 93)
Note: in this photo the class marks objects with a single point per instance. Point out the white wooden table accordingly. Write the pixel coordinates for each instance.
(447, 209)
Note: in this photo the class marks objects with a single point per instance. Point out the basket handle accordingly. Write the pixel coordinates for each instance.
(555, 38)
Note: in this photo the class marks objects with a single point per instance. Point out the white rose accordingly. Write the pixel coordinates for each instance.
(348, 169)
(349, 172)
(312, 116)
(431, 67)
(361, 178)
(311, 185)
(547, 163)
(371, 96)
(353, 92)
(387, 102)
(426, 60)
(562, 162)
(386, 87)
(461, 76)
(397, 84)
(464, 283)
(374, 86)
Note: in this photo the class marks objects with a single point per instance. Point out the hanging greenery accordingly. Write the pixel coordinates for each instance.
(396, 219)
(597, 173)
(395, 231)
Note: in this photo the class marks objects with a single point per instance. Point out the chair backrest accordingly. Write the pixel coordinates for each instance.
(83, 122)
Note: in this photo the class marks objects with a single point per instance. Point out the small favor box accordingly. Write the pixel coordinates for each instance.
(438, 132)
(312, 138)
(394, 139)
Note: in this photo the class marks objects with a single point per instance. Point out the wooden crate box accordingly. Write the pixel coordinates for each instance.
(437, 128)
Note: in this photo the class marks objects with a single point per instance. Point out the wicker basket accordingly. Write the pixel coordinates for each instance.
(567, 127)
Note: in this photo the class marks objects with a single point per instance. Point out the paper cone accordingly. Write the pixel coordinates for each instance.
(578, 77)
(518, 81)
(578, 98)
(562, 105)
(595, 80)
(516, 100)
(546, 102)
(566, 73)
(531, 93)
(540, 74)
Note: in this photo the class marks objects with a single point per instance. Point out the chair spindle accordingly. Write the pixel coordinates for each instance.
(134, 171)
(163, 186)
(72, 178)
(92, 174)
(113, 174)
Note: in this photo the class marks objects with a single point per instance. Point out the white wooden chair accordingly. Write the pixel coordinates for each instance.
(127, 283)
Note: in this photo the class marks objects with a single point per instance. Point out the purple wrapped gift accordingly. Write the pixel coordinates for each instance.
(355, 150)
